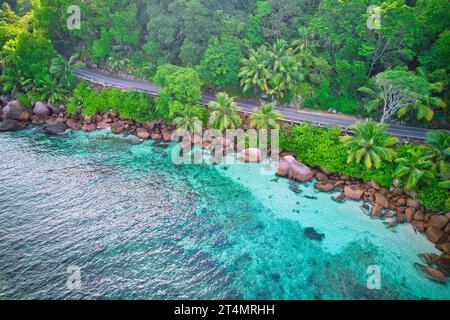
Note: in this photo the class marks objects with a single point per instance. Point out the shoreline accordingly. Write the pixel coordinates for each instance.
(377, 202)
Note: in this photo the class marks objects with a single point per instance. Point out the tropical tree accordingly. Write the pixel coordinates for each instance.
(439, 149)
(265, 117)
(63, 70)
(255, 72)
(188, 117)
(117, 62)
(370, 143)
(13, 81)
(399, 91)
(422, 108)
(224, 113)
(51, 90)
(415, 169)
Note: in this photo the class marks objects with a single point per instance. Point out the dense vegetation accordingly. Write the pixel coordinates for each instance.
(417, 167)
(317, 54)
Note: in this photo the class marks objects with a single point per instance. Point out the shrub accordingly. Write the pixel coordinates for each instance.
(432, 196)
(131, 104)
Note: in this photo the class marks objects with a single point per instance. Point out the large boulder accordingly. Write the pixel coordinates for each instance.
(294, 169)
(117, 127)
(55, 129)
(434, 234)
(142, 134)
(321, 177)
(381, 200)
(446, 247)
(251, 155)
(167, 135)
(11, 125)
(373, 185)
(353, 192)
(73, 124)
(413, 203)
(89, 127)
(438, 221)
(410, 212)
(41, 111)
(4, 99)
(14, 110)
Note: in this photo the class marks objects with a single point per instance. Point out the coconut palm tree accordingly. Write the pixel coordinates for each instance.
(51, 90)
(439, 148)
(118, 62)
(415, 169)
(224, 113)
(255, 72)
(188, 118)
(63, 70)
(370, 143)
(265, 117)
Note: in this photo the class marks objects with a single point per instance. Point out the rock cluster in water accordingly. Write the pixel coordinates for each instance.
(386, 203)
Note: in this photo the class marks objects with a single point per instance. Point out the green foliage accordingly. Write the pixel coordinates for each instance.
(265, 117)
(102, 46)
(224, 113)
(350, 76)
(124, 26)
(129, 104)
(321, 146)
(220, 64)
(415, 169)
(177, 84)
(438, 55)
(434, 197)
(33, 56)
(439, 149)
(371, 144)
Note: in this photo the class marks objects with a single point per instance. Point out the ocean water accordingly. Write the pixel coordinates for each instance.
(140, 227)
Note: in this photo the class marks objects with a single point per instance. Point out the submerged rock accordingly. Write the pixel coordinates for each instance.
(252, 155)
(339, 199)
(325, 186)
(312, 234)
(11, 125)
(55, 129)
(431, 273)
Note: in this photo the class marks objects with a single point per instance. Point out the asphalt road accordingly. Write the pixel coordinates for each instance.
(290, 115)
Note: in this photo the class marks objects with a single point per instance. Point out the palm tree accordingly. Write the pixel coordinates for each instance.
(415, 169)
(439, 149)
(118, 62)
(265, 117)
(255, 71)
(51, 90)
(422, 108)
(371, 143)
(188, 119)
(63, 70)
(12, 81)
(224, 113)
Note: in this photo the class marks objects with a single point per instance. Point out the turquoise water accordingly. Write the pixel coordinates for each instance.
(140, 227)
